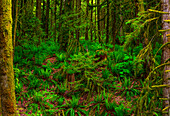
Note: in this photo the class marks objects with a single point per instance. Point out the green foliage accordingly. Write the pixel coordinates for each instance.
(152, 87)
(60, 57)
(137, 49)
(84, 65)
(61, 88)
(129, 88)
(104, 101)
(80, 71)
(34, 82)
(31, 29)
(92, 46)
(105, 73)
(72, 107)
(31, 54)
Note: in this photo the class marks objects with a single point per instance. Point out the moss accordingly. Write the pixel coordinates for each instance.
(8, 102)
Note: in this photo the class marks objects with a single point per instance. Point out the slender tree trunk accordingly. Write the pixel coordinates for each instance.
(166, 55)
(78, 5)
(79, 8)
(13, 8)
(52, 17)
(38, 9)
(104, 20)
(55, 18)
(15, 24)
(87, 13)
(91, 26)
(59, 36)
(72, 6)
(38, 12)
(7, 88)
(98, 22)
(47, 18)
(43, 15)
(95, 22)
(113, 28)
(107, 27)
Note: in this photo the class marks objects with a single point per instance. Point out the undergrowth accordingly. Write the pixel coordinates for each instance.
(101, 81)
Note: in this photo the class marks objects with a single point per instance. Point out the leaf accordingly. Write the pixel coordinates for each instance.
(121, 73)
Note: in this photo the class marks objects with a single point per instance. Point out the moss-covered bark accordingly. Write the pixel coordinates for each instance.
(7, 87)
(166, 55)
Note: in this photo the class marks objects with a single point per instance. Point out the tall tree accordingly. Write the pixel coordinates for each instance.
(166, 54)
(55, 18)
(38, 9)
(15, 23)
(98, 20)
(107, 27)
(78, 6)
(47, 18)
(38, 12)
(43, 15)
(113, 23)
(91, 27)
(61, 6)
(52, 17)
(87, 13)
(72, 6)
(7, 86)
(95, 31)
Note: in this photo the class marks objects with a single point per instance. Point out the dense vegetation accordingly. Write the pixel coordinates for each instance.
(98, 60)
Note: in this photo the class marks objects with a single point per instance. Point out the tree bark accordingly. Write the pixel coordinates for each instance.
(98, 22)
(107, 27)
(55, 18)
(38, 9)
(47, 18)
(7, 87)
(15, 24)
(59, 36)
(87, 13)
(78, 6)
(95, 26)
(166, 54)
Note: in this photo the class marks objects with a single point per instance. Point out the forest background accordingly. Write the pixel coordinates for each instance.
(89, 57)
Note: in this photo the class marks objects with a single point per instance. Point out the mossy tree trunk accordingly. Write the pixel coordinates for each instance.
(98, 18)
(15, 23)
(87, 13)
(166, 54)
(7, 87)
(91, 26)
(107, 27)
(47, 18)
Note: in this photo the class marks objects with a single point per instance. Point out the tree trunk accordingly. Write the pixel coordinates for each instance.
(95, 26)
(43, 15)
(78, 6)
(166, 54)
(38, 13)
(113, 23)
(91, 26)
(107, 27)
(55, 18)
(47, 18)
(98, 22)
(38, 9)
(7, 88)
(15, 24)
(59, 36)
(87, 13)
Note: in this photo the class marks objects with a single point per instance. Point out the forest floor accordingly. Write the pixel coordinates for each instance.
(46, 89)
